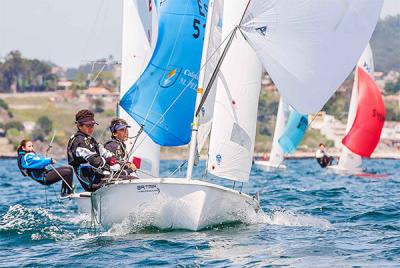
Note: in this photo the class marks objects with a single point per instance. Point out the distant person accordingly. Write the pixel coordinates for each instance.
(116, 145)
(92, 163)
(37, 167)
(322, 157)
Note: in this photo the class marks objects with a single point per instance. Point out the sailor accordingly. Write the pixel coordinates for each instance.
(119, 134)
(322, 157)
(36, 166)
(92, 163)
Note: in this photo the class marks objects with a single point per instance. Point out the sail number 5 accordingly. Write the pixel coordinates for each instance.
(203, 8)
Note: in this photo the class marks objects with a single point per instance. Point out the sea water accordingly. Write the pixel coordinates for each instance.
(311, 217)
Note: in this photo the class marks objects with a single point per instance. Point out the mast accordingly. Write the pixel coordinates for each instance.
(195, 124)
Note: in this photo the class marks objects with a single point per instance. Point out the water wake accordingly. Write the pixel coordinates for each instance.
(288, 218)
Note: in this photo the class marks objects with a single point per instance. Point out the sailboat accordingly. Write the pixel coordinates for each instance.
(365, 120)
(276, 156)
(286, 138)
(289, 44)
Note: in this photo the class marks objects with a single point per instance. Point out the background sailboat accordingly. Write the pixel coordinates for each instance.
(350, 160)
(276, 156)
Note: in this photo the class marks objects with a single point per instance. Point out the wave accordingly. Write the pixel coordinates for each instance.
(289, 218)
(39, 223)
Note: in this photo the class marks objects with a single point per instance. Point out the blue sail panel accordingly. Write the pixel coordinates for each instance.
(163, 98)
(294, 132)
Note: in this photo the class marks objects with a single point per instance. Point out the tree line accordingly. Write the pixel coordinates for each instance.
(18, 74)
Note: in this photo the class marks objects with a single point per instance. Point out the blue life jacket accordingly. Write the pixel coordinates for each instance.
(33, 165)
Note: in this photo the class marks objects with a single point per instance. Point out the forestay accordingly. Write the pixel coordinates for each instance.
(309, 46)
(162, 100)
(276, 155)
(349, 160)
(138, 42)
(294, 132)
(235, 112)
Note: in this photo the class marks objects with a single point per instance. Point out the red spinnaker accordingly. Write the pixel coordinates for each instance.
(365, 133)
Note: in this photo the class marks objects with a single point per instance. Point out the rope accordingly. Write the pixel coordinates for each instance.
(178, 168)
(62, 178)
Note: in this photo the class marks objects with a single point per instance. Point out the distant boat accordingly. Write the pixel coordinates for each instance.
(365, 120)
(276, 156)
(286, 139)
(163, 99)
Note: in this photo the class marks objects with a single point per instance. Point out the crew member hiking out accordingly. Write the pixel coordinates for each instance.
(37, 167)
(90, 160)
(322, 157)
(116, 145)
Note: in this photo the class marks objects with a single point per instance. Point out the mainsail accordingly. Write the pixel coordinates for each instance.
(138, 42)
(349, 160)
(276, 156)
(309, 46)
(294, 133)
(162, 100)
(367, 127)
(235, 112)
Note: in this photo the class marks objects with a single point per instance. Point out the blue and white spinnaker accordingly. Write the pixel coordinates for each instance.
(163, 98)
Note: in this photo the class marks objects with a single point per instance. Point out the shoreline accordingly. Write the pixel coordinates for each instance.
(172, 156)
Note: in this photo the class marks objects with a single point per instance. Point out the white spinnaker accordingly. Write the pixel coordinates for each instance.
(349, 160)
(235, 112)
(138, 41)
(309, 46)
(213, 53)
(276, 156)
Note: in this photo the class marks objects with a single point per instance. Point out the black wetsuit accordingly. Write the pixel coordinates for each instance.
(46, 176)
(118, 148)
(88, 158)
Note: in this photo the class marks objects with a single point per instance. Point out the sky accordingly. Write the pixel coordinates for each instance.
(72, 32)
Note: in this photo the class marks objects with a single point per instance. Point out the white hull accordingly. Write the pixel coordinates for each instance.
(82, 201)
(268, 166)
(171, 204)
(345, 171)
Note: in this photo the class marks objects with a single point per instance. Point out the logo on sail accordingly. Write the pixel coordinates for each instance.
(218, 157)
(203, 111)
(170, 78)
(262, 30)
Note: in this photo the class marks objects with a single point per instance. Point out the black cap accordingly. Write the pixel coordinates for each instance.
(85, 117)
